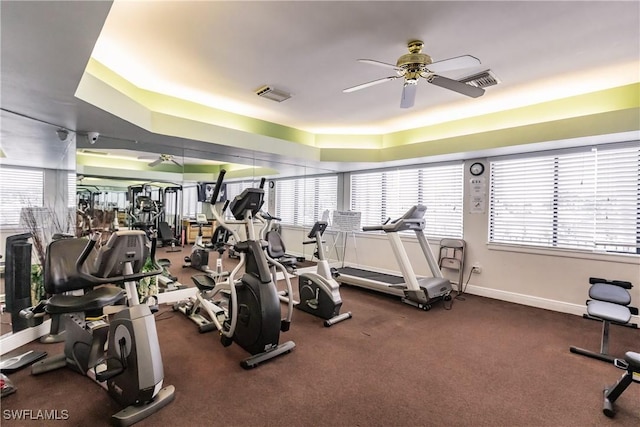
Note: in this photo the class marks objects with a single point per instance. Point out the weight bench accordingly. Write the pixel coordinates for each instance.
(609, 304)
(631, 364)
(166, 237)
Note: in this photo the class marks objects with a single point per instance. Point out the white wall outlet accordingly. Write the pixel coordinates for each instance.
(476, 268)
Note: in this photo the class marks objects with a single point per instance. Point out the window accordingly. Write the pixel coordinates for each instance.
(389, 194)
(190, 204)
(71, 190)
(19, 188)
(582, 199)
(303, 201)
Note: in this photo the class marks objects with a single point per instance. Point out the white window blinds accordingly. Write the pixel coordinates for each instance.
(587, 199)
(303, 201)
(190, 204)
(389, 194)
(19, 188)
(71, 190)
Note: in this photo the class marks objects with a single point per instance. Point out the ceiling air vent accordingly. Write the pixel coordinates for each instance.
(483, 79)
(272, 94)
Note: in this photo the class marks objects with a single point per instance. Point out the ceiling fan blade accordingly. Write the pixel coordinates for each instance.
(155, 162)
(464, 61)
(147, 157)
(408, 95)
(380, 64)
(176, 163)
(456, 86)
(372, 83)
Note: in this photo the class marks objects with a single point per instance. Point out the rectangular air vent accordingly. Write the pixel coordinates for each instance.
(272, 94)
(483, 79)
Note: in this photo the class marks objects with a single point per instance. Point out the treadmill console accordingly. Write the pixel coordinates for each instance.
(413, 219)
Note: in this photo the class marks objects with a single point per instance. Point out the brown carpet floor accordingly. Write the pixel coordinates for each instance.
(482, 363)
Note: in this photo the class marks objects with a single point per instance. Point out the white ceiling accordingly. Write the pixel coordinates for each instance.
(220, 52)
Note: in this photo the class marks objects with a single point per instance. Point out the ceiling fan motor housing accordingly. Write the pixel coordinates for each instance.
(414, 61)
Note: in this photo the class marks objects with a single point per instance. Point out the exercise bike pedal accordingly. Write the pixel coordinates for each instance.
(285, 325)
(107, 374)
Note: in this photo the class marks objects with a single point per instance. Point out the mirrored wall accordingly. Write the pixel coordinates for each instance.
(37, 190)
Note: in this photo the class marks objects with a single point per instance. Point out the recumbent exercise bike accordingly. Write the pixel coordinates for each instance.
(131, 368)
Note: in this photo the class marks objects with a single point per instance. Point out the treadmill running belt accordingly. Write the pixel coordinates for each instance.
(371, 275)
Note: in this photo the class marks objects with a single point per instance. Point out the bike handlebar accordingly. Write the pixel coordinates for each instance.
(115, 279)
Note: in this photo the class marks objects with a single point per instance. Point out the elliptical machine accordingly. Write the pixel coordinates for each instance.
(131, 368)
(201, 308)
(247, 310)
(318, 291)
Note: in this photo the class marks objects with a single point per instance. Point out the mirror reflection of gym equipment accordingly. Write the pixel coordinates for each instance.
(148, 206)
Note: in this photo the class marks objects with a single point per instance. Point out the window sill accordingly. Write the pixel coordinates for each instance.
(567, 253)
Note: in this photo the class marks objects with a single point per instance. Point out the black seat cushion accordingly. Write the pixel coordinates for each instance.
(92, 300)
(60, 273)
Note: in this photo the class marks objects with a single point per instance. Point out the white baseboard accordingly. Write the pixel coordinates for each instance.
(11, 341)
(532, 301)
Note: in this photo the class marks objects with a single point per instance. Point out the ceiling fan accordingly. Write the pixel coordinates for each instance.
(163, 158)
(415, 64)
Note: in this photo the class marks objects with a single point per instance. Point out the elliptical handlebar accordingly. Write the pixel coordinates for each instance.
(267, 216)
(216, 191)
(95, 237)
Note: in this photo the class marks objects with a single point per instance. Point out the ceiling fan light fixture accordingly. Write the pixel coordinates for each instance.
(481, 80)
(272, 94)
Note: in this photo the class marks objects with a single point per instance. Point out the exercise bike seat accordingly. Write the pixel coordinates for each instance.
(93, 300)
(61, 275)
(609, 293)
(609, 311)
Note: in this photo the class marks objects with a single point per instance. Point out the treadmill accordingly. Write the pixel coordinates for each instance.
(420, 292)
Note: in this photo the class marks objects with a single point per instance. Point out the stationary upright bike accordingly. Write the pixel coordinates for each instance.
(131, 367)
(318, 291)
(199, 257)
(249, 309)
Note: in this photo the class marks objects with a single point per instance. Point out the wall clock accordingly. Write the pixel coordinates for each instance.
(476, 169)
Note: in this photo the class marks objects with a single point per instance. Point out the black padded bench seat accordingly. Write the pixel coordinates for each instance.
(609, 303)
